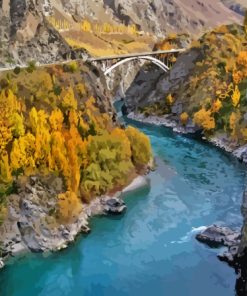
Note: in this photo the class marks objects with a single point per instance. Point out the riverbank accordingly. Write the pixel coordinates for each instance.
(219, 140)
(27, 228)
(235, 241)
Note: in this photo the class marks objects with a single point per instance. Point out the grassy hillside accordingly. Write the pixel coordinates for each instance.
(59, 121)
(101, 38)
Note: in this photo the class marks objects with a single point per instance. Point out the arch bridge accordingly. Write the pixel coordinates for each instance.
(163, 59)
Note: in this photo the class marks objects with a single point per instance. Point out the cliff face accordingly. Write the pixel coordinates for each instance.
(26, 35)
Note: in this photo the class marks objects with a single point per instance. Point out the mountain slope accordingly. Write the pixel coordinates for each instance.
(206, 88)
(26, 35)
(157, 17)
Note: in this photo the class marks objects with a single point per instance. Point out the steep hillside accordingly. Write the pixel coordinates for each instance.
(26, 35)
(60, 148)
(37, 31)
(239, 6)
(157, 17)
(206, 88)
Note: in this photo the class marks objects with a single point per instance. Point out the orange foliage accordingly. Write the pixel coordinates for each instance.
(69, 206)
(170, 100)
(216, 106)
(204, 119)
(233, 122)
(236, 97)
(184, 117)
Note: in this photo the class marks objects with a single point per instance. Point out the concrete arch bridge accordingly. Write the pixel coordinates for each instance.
(163, 59)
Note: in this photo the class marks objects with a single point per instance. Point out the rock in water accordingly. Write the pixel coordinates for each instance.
(1, 264)
(114, 206)
(215, 236)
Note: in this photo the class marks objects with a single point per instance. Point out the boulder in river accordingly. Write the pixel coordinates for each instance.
(1, 264)
(114, 206)
(216, 236)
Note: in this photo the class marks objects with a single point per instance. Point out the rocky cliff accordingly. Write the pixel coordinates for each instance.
(26, 35)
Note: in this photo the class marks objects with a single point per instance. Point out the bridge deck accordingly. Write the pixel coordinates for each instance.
(132, 55)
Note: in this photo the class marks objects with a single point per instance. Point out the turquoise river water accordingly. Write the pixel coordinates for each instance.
(151, 250)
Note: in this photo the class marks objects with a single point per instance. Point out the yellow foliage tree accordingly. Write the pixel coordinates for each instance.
(17, 125)
(69, 206)
(236, 97)
(5, 170)
(69, 101)
(170, 100)
(56, 120)
(86, 26)
(216, 106)
(140, 146)
(233, 122)
(204, 119)
(22, 153)
(184, 117)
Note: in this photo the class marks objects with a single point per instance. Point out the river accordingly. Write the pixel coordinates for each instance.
(151, 250)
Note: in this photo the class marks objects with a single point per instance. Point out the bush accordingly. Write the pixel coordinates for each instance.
(31, 66)
(71, 67)
(17, 70)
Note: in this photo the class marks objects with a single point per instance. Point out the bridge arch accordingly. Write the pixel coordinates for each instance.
(155, 61)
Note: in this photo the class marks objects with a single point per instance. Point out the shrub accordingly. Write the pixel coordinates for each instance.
(69, 206)
(140, 146)
(184, 117)
(31, 66)
(204, 119)
(71, 67)
(17, 70)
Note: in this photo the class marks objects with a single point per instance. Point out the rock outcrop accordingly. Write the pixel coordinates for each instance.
(31, 223)
(236, 242)
(26, 35)
(216, 236)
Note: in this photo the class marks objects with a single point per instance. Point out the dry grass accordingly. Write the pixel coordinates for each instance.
(108, 44)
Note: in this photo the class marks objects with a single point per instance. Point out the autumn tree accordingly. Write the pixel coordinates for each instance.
(233, 123)
(236, 97)
(140, 146)
(204, 119)
(86, 26)
(22, 154)
(184, 117)
(69, 206)
(170, 100)
(68, 99)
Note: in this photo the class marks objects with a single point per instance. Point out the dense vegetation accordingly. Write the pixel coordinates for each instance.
(52, 124)
(214, 94)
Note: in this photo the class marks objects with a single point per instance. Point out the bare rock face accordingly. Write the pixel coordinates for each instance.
(25, 35)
